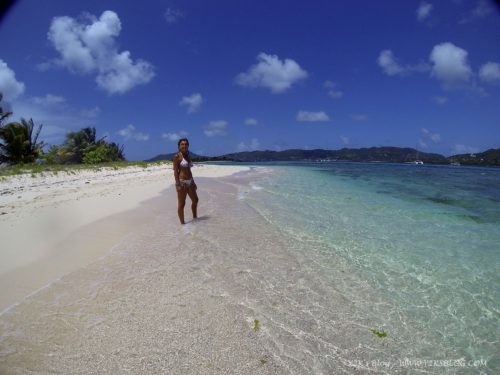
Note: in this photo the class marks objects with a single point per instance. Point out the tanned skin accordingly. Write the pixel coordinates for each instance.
(184, 173)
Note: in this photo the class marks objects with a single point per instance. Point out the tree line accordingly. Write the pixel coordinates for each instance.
(19, 144)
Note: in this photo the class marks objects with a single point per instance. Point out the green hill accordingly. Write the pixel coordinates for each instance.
(488, 157)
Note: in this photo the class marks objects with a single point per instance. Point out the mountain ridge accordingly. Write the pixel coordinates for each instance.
(365, 154)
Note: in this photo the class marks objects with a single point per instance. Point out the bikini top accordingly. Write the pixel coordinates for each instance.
(185, 164)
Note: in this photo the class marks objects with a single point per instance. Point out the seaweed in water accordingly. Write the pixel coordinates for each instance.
(379, 333)
(256, 325)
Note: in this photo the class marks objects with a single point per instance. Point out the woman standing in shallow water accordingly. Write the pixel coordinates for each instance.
(184, 182)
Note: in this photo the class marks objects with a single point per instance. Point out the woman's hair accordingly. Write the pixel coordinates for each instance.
(182, 140)
(179, 154)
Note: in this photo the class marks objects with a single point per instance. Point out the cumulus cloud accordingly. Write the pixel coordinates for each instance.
(423, 11)
(333, 90)
(88, 46)
(345, 140)
(193, 102)
(251, 121)
(389, 64)
(174, 137)
(305, 116)
(10, 87)
(172, 15)
(49, 100)
(272, 73)
(490, 72)
(130, 133)
(215, 128)
(450, 65)
(252, 146)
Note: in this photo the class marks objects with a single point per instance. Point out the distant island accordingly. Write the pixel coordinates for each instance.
(490, 157)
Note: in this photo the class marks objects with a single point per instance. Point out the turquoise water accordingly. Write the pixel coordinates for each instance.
(322, 255)
(421, 246)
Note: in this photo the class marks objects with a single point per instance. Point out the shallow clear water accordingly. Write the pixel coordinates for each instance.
(424, 240)
(319, 254)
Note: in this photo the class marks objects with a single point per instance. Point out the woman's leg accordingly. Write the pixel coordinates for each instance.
(181, 202)
(194, 200)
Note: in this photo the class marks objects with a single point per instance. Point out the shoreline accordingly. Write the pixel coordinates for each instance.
(165, 299)
(52, 225)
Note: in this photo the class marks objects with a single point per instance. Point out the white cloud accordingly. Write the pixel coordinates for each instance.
(174, 137)
(389, 64)
(333, 90)
(172, 15)
(10, 87)
(424, 10)
(90, 48)
(130, 133)
(252, 146)
(193, 102)
(359, 117)
(429, 136)
(450, 65)
(272, 73)
(49, 100)
(345, 140)
(215, 128)
(251, 121)
(440, 99)
(305, 116)
(435, 138)
(490, 72)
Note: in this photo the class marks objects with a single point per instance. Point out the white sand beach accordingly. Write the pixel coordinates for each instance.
(53, 224)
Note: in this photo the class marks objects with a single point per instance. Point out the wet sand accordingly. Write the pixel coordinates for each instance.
(53, 224)
(156, 304)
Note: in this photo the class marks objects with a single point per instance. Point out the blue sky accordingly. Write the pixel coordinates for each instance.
(238, 75)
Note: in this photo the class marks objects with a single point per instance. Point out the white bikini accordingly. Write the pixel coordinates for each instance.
(185, 164)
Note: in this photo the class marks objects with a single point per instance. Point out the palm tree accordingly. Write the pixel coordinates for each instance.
(3, 115)
(115, 152)
(18, 144)
(79, 143)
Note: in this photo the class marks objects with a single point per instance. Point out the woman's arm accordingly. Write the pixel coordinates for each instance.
(175, 163)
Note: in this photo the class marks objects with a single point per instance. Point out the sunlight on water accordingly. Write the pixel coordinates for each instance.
(425, 239)
(340, 264)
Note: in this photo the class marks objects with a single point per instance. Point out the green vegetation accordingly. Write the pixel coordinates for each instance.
(256, 325)
(379, 333)
(18, 140)
(83, 147)
(37, 168)
(19, 145)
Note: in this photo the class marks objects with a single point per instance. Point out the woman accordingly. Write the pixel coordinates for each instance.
(184, 182)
